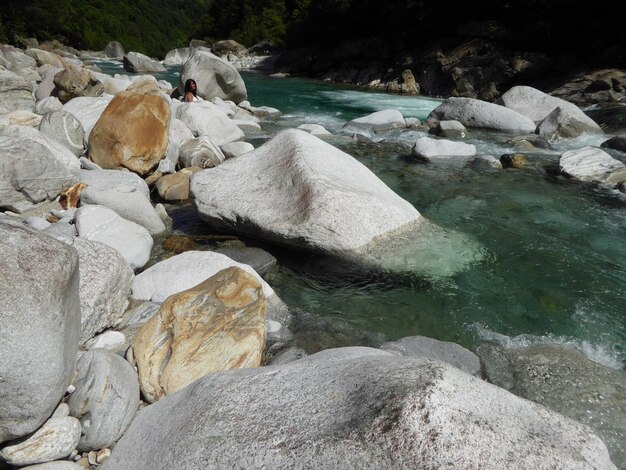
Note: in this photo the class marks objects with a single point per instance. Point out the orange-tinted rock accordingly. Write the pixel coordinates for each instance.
(71, 196)
(174, 187)
(132, 132)
(214, 326)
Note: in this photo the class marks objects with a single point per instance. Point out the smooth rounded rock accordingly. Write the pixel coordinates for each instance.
(378, 121)
(200, 152)
(236, 149)
(114, 50)
(136, 62)
(206, 119)
(105, 400)
(49, 105)
(215, 77)
(481, 114)
(562, 124)
(87, 110)
(433, 149)
(101, 224)
(590, 164)
(56, 439)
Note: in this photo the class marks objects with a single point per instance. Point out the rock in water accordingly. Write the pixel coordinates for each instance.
(40, 325)
(132, 132)
(592, 164)
(115, 50)
(475, 113)
(215, 77)
(352, 408)
(537, 105)
(318, 198)
(217, 325)
(433, 149)
(379, 121)
(106, 398)
(561, 124)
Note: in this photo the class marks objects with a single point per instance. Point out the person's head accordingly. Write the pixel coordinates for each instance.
(190, 86)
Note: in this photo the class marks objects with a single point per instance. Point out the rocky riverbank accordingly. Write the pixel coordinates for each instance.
(117, 357)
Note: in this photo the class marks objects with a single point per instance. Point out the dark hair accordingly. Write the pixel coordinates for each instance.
(188, 86)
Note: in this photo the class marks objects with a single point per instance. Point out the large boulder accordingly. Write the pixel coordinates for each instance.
(214, 326)
(352, 408)
(214, 77)
(64, 128)
(105, 400)
(73, 82)
(101, 224)
(537, 105)
(114, 50)
(40, 318)
(206, 119)
(45, 57)
(105, 282)
(135, 62)
(132, 132)
(48, 105)
(481, 114)
(315, 197)
(592, 164)
(33, 168)
(16, 93)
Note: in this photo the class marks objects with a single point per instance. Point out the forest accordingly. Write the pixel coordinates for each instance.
(156, 26)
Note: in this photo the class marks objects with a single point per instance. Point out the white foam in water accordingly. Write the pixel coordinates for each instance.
(410, 106)
(594, 352)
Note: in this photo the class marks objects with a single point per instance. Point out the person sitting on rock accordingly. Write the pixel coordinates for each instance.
(191, 89)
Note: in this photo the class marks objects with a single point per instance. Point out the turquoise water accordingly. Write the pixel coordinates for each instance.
(556, 264)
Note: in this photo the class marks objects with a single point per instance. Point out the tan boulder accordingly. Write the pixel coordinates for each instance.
(74, 81)
(131, 133)
(214, 326)
(174, 187)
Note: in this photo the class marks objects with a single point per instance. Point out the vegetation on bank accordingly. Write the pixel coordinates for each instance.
(156, 26)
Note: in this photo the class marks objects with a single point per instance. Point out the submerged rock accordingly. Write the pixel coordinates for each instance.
(40, 318)
(214, 326)
(352, 408)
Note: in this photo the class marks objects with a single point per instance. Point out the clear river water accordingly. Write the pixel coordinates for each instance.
(555, 269)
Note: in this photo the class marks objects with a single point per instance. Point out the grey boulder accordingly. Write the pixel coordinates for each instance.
(352, 408)
(40, 321)
(33, 168)
(114, 50)
(48, 105)
(136, 62)
(384, 120)
(434, 149)
(105, 282)
(16, 93)
(481, 114)
(87, 110)
(64, 128)
(106, 398)
(206, 119)
(215, 77)
(563, 124)
(102, 179)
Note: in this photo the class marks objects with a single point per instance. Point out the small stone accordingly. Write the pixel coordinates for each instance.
(71, 389)
(103, 454)
(92, 457)
(83, 462)
(61, 412)
(153, 178)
